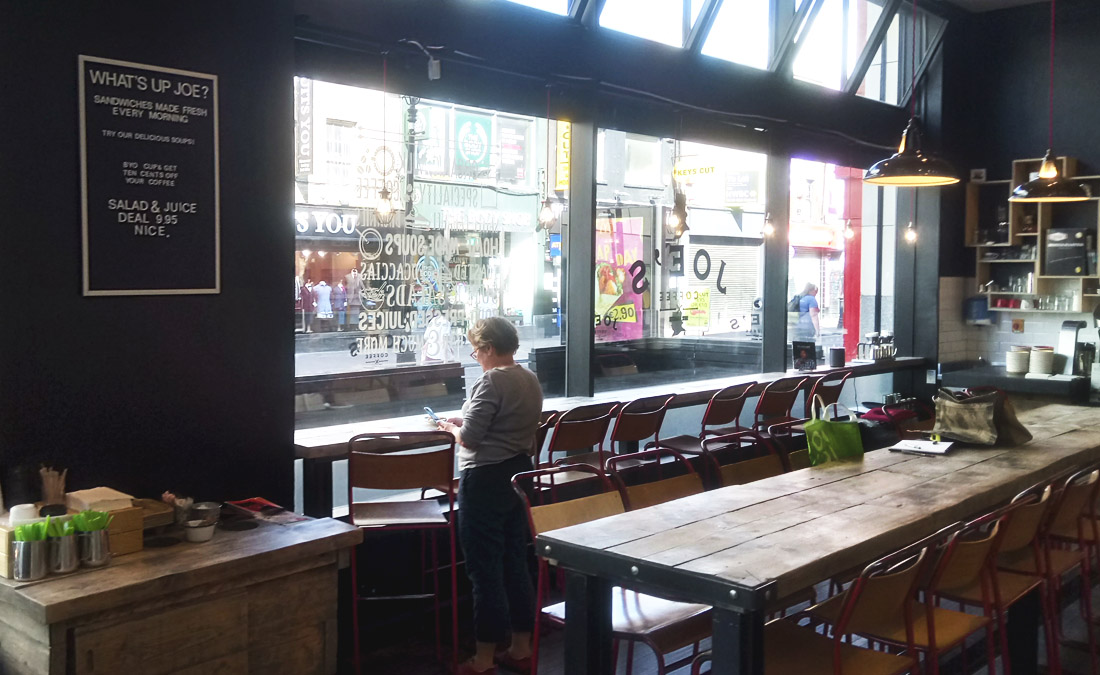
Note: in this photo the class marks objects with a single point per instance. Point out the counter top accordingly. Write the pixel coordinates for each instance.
(154, 572)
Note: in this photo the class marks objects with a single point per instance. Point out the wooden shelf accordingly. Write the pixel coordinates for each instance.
(1009, 260)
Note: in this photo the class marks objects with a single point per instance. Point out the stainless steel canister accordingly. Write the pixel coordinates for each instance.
(63, 554)
(29, 559)
(95, 548)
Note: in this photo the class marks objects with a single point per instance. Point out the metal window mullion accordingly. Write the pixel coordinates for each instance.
(874, 42)
(587, 12)
(796, 34)
(778, 208)
(580, 255)
(929, 55)
(701, 29)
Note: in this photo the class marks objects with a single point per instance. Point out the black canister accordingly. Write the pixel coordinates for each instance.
(836, 357)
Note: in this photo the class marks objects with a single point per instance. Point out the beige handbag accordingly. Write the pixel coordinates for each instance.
(985, 417)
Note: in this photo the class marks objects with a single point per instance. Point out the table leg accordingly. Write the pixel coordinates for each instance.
(1023, 633)
(588, 625)
(317, 487)
(738, 643)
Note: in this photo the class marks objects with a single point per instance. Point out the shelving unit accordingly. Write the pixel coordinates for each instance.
(987, 209)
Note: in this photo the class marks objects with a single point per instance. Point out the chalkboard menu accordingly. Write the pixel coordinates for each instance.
(149, 172)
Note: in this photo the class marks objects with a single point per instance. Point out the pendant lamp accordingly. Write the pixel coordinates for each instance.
(1049, 186)
(383, 208)
(909, 166)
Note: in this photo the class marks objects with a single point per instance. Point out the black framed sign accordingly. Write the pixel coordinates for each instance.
(149, 179)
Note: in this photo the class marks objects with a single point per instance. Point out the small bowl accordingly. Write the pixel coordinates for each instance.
(198, 532)
(207, 512)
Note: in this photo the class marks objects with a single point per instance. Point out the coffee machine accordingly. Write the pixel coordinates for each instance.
(1073, 351)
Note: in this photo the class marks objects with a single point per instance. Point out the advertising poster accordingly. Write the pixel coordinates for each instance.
(149, 179)
(473, 138)
(561, 157)
(513, 149)
(618, 307)
(697, 311)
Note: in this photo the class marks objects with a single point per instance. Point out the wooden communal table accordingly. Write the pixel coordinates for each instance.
(320, 447)
(259, 601)
(740, 548)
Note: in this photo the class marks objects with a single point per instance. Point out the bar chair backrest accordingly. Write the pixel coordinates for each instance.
(546, 423)
(776, 401)
(686, 482)
(884, 591)
(401, 461)
(1021, 527)
(724, 408)
(581, 428)
(641, 418)
(968, 553)
(556, 515)
(828, 388)
(1074, 501)
(746, 470)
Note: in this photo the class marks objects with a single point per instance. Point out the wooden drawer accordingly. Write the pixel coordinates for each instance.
(207, 636)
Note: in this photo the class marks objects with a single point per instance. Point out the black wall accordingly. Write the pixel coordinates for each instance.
(189, 393)
(995, 104)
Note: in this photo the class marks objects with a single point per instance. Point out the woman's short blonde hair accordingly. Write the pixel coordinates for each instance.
(496, 332)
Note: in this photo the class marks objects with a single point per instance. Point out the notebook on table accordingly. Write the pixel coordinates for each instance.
(919, 447)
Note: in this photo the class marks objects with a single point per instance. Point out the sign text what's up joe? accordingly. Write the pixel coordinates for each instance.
(149, 163)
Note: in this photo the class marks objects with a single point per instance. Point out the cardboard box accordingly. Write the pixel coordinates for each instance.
(127, 530)
(5, 552)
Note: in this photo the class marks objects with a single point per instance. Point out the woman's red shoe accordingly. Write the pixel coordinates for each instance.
(465, 668)
(509, 662)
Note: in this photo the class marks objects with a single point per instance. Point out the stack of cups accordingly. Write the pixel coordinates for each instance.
(1042, 360)
(1017, 360)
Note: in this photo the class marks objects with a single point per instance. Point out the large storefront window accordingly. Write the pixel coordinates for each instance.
(384, 296)
(676, 303)
(826, 239)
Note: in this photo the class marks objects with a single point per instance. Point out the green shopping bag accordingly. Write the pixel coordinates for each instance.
(827, 440)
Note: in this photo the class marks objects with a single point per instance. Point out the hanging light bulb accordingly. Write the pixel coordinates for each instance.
(909, 166)
(677, 217)
(849, 233)
(383, 209)
(1048, 187)
(910, 233)
(306, 252)
(768, 229)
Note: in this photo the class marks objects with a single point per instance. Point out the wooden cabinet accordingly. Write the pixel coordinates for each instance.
(262, 601)
(1010, 239)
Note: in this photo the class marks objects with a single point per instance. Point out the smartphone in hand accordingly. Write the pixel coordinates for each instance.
(431, 414)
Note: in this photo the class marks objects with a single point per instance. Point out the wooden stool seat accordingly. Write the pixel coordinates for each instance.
(951, 627)
(1061, 561)
(790, 649)
(388, 514)
(1010, 585)
(665, 624)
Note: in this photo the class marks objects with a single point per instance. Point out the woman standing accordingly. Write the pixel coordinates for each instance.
(496, 435)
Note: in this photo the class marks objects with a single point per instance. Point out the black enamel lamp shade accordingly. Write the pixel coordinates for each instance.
(1050, 186)
(910, 167)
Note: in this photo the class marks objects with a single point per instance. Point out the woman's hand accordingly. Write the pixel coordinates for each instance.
(449, 427)
(457, 421)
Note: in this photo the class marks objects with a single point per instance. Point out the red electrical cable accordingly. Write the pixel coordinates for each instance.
(913, 67)
(1050, 102)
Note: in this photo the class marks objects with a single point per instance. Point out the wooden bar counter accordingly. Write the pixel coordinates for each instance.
(258, 601)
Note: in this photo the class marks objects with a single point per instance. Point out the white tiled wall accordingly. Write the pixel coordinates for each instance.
(960, 342)
(954, 333)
